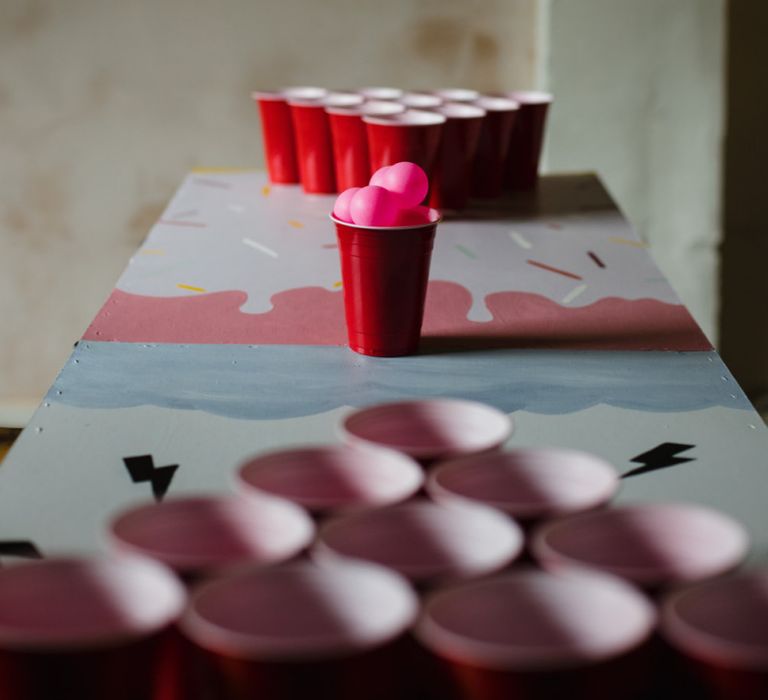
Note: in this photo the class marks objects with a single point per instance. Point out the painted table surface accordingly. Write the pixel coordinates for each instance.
(225, 337)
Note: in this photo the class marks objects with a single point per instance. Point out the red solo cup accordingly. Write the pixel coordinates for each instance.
(721, 629)
(350, 141)
(420, 100)
(429, 429)
(528, 484)
(531, 635)
(85, 628)
(303, 631)
(527, 139)
(325, 479)
(492, 152)
(277, 135)
(458, 94)
(428, 543)
(452, 178)
(653, 545)
(413, 135)
(314, 146)
(384, 271)
(381, 93)
(197, 536)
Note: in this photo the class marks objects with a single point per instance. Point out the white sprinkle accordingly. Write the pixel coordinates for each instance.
(575, 292)
(520, 240)
(258, 246)
(237, 208)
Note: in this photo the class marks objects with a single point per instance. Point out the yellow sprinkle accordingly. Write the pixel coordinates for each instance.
(628, 241)
(191, 288)
(219, 170)
(295, 224)
(337, 285)
(151, 251)
(265, 190)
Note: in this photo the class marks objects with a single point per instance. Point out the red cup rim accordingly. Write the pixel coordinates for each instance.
(595, 604)
(370, 107)
(567, 480)
(410, 117)
(458, 94)
(421, 100)
(475, 540)
(71, 603)
(497, 104)
(461, 110)
(202, 533)
(661, 523)
(381, 93)
(342, 99)
(432, 213)
(531, 97)
(304, 92)
(691, 637)
(268, 96)
(399, 476)
(499, 426)
(244, 614)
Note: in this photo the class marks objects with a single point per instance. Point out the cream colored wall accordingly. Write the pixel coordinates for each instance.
(104, 105)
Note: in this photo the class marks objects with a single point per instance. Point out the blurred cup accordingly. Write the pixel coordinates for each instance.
(199, 536)
(277, 130)
(314, 147)
(493, 149)
(86, 628)
(527, 139)
(420, 100)
(721, 629)
(350, 140)
(429, 429)
(303, 631)
(328, 479)
(457, 94)
(428, 543)
(413, 135)
(452, 178)
(529, 483)
(384, 272)
(653, 545)
(531, 635)
(381, 93)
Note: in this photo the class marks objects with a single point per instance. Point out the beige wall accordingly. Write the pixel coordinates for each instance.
(105, 104)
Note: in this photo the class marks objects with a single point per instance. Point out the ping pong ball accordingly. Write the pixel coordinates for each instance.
(407, 180)
(415, 216)
(374, 206)
(378, 177)
(341, 208)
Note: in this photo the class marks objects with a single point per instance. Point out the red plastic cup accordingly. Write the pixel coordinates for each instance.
(529, 484)
(326, 479)
(381, 93)
(350, 141)
(654, 545)
(457, 94)
(452, 178)
(720, 628)
(429, 429)
(527, 139)
(85, 628)
(428, 543)
(303, 631)
(420, 100)
(314, 145)
(413, 135)
(495, 139)
(198, 536)
(531, 635)
(385, 271)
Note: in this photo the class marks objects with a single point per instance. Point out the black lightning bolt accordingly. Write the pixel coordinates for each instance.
(20, 548)
(660, 457)
(142, 468)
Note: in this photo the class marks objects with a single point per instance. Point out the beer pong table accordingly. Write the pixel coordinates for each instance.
(225, 337)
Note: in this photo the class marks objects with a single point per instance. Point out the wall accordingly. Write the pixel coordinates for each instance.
(104, 106)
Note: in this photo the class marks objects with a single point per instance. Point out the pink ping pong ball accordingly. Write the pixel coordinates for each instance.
(407, 180)
(414, 216)
(341, 207)
(374, 206)
(378, 177)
